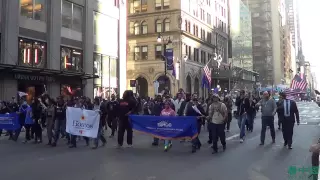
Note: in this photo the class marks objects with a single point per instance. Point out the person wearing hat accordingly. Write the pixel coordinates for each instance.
(218, 113)
(289, 117)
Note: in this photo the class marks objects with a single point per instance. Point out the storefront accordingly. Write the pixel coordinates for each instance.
(107, 68)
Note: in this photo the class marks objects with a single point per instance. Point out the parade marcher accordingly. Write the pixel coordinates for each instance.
(184, 104)
(127, 106)
(80, 103)
(100, 136)
(36, 116)
(250, 108)
(178, 102)
(193, 108)
(156, 111)
(280, 112)
(112, 115)
(4, 110)
(217, 118)
(268, 110)
(59, 121)
(167, 111)
(50, 117)
(241, 114)
(23, 110)
(290, 116)
(148, 107)
(228, 103)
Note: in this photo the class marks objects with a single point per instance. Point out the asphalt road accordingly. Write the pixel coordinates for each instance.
(247, 161)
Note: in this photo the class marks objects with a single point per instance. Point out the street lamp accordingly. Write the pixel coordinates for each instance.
(165, 42)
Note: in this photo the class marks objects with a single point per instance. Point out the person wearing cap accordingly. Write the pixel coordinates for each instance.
(217, 117)
(290, 115)
(268, 110)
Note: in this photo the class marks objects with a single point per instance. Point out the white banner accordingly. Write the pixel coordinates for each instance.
(81, 122)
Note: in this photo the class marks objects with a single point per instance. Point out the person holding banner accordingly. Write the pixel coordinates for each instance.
(218, 114)
(25, 121)
(3, 110)
(167, 111)
(127, 106)
(193, 108)
(96, 107)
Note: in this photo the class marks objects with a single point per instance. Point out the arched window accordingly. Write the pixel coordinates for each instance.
(136, 28)
(158, 26)
(144, 27)
(166, 25)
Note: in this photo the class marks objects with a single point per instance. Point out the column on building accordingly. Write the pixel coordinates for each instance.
(9, 44)
(88, 48)
(54, 42)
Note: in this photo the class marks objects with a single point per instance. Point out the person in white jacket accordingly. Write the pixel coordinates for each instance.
(177, 103)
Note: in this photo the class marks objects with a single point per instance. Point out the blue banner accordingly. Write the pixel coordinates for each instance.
(166, 127)
(169, 59)
(9, 121)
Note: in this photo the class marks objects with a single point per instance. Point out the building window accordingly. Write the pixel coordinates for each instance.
(72, 16)
(97, 64)
(209, 18)
(34, 9)
(166, 4)
(32, 53)
(189, 26)
(144, 27)
(158, 26)
(196, 54)
(144, 53)
(158, 4)
(166, 25)
(136, 28)
(71, 59)
(136, 6)
(136, 53)
(158, 51)
(203, 57)
(144, 5)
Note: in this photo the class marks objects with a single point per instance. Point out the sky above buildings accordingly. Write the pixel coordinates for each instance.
(310, 27)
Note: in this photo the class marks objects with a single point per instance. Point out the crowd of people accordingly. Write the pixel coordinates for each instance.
(215, 113)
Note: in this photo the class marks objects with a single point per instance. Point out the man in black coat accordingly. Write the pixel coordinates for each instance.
(290, 116)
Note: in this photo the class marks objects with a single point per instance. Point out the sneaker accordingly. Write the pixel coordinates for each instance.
(241, 140)
(166, 148)
(129, 146)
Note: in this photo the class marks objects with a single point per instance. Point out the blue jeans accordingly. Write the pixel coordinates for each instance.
(242, 125)
(250, 120)
(99, 137)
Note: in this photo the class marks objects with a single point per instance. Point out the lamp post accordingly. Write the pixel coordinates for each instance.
(164, 42)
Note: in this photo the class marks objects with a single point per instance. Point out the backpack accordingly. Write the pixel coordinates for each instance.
(219, 110)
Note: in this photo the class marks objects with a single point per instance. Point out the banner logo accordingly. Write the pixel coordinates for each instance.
(164, 124)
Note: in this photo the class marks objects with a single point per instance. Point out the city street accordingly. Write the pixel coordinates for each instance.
(247, 161)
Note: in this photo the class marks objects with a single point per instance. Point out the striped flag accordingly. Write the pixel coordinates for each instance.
(207, 72)
(298, 83)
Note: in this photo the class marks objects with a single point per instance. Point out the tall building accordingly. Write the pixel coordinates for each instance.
(186, 33)
(53, 45)
(266, 38)
(286, 47)
(291, 18)
(241, 36)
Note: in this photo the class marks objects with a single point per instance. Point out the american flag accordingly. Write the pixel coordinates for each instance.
(207, 72)
(298, 83)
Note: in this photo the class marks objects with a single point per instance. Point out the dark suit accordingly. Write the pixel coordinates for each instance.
(288, 121)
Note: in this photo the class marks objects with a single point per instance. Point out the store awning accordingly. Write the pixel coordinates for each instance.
(7, 68)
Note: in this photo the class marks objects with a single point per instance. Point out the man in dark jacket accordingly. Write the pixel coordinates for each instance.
(290, 116)
(194, 108)
(183, 104)
(241, 114)
(156, 111)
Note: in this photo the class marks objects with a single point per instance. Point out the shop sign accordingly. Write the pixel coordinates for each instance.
(34, 78)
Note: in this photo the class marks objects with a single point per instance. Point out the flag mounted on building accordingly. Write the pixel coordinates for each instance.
(206, 78)
(298, 83)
